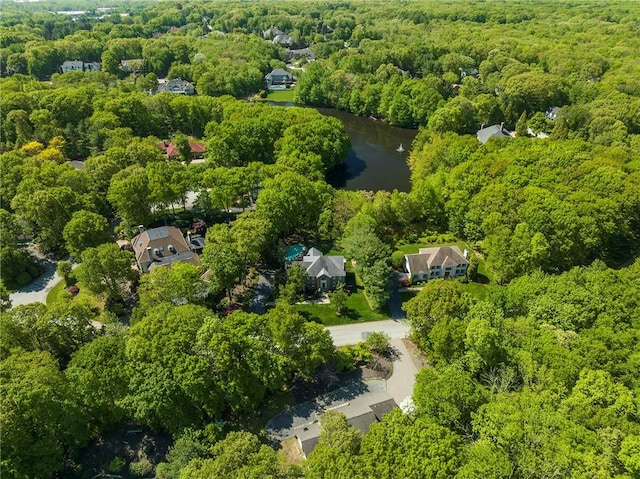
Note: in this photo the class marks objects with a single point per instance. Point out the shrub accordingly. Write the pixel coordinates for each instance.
(115, 465)
(141, 468)
(23, 279)
(33, 270)
(378, 342)
(74, 290)
(344, 360)
(397, 259)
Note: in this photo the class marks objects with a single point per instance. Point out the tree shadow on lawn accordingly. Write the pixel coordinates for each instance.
(350, 313)
(482, 279)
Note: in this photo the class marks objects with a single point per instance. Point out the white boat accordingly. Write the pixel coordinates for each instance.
(400, 148)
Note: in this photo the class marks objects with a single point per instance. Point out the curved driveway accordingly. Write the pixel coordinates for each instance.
(354, 333)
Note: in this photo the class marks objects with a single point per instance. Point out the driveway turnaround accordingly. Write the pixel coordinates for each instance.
(400, 384)
(354, 333)
(36, 292)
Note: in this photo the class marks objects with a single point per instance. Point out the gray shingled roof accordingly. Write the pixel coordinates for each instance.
(444, 256)
(332, 266)
(314, 252)
(491, 132)
(418, 263)
(278, 72)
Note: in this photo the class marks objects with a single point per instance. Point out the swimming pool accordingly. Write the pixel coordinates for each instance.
(294, 252)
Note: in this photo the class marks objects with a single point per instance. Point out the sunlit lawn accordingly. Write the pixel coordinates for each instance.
(281, 95)
(357, 310)
(59, 294)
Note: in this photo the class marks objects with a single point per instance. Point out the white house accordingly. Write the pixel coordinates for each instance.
(72, 66)
(438, 262)
(78, 66)
(177, 85)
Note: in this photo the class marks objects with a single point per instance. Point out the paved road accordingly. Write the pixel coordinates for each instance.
(291, 422)
(354, 333)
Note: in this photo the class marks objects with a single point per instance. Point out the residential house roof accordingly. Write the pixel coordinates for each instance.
(160, 247)
(552, 113)
(279, 72)
(282, 39)
(417, 263)
(427, 258)
(318, 265)
(444, 256)
(361, 413)
(309, 436)
(271, 32)
(171, 150)
(177, 85)
(72, 65)
(493, 131)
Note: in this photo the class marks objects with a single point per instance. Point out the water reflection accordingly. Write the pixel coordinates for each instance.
(375, 160)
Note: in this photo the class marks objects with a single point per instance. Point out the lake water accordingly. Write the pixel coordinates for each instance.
(373, 162)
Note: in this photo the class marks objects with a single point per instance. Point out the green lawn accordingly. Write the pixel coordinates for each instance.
(281, 95)
(477, 290)
(58, 295)
(358, 310)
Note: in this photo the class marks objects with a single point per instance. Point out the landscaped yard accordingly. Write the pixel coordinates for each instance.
(357, 310)
(281, 95)
(59, 292)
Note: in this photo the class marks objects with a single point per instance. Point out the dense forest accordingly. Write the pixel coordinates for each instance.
(533, 358)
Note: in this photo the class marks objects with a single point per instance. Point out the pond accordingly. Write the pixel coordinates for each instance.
(373, 162)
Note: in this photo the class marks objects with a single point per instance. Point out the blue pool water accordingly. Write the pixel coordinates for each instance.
(293, 252)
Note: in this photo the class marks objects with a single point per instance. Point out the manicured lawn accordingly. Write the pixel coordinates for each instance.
(281, 95)
(57, 295)
(358, 310)
(477, 290)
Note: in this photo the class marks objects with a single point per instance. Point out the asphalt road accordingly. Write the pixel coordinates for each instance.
(354, 333)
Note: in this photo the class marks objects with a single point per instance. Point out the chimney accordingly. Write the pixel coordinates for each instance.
(189, 239)
(141, 228)
(150, 254)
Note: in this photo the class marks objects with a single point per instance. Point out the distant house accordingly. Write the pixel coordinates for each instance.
(72, 66)
(361, 413)
(169, 148)
(271, 33)
(78, 66)
(178, 86)
(438, 262)
(552, 113)
(279, 76)
(162, 246)
(323, 272)
(472, 72)
(282, 39)
(300, 53)
(133, 65)
(493, 131)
